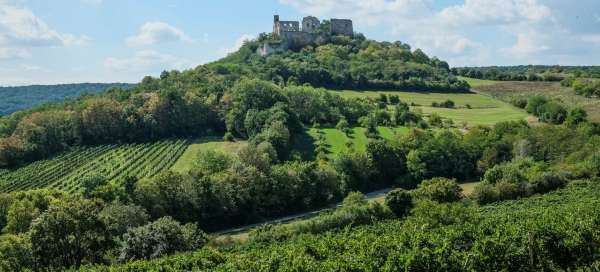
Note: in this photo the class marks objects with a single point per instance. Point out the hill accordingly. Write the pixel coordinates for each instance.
(24, 97)
(215, 97)
(251, 138)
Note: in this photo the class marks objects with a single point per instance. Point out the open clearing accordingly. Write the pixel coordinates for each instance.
(186, 161)
(508, 90)
(484, 109)
(336, 140)
(475, 82)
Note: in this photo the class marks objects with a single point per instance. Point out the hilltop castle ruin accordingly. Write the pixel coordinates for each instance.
(289, 34)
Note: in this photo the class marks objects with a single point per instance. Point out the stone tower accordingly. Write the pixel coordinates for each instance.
(310, 24)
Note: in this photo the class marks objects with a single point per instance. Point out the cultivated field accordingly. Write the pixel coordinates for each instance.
(508, 90)
(113, 162)
(186, 161)
(484, 110)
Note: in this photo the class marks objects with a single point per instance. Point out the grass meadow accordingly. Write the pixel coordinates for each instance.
(470, 108)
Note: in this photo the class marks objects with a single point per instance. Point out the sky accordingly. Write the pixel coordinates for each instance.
(68, 41)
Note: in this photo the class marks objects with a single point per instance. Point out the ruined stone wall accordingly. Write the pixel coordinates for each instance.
(342, 27)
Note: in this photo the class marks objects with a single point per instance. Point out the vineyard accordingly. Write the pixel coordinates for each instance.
(520, 235)
(113, 162)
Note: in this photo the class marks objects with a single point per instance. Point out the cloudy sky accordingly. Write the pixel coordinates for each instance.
(64, 41)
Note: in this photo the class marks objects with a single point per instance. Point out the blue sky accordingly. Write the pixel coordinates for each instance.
(64, 41)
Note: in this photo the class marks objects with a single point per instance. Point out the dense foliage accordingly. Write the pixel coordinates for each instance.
(24, 97)
(269, 102)
(351, 63)
(520, 235)
(527, 72)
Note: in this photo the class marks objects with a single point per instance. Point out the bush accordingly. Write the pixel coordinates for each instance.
(440, 190)
(399, 201)
(549, 181)
(355, 210)
(519, 102)
(485, 193)
(161, 237)
(228, 137)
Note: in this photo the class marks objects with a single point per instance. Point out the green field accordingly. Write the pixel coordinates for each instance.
(484, 109)
(336, 140)
(113, 162)
(508, 90)
(186, 161)
(474, 82)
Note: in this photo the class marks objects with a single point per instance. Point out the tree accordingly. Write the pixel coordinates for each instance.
(162, 237)
(399, 201)
(20, 215)
(552, 112)
(343, 125)
(354, 170)
(15, 253)
(534, 104)
(387, 160)
(69, 234)
(118, 218)
(440, 190)
(209, 162)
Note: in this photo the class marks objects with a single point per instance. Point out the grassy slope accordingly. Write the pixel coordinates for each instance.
(336, 139)
(507, 90)
(186, 161)
(474, 82)
(485, 110)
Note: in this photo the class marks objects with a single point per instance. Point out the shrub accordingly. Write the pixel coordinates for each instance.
(435, 120)
(399, 201)
(161, 237)
(519, 102)
(485, 193)
(549, 181)
(228, 137)
(440, 190)
(355, 210)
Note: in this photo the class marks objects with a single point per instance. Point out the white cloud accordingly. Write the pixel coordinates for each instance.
(528, 43)
(236, 46)
(13, 53)
(20, 27)
(157, 32)
(591, 38)
(146, 60)
(475, 31)
(21, 30)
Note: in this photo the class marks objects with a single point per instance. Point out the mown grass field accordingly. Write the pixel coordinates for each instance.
(113, 162)
(186, 161)
(475, 82)
(508, 90)
(337, 141)
(484, 109)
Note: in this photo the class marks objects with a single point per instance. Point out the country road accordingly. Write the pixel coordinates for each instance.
(372, 196)
(369, 196)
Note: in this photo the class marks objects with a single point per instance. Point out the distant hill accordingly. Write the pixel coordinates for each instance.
(23, 97)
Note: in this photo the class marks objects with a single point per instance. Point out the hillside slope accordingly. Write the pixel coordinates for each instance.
(23, 97)
(514, 236)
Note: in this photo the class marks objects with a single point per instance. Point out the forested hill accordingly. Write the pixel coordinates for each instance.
(23, 97)
(342, 62)
(243, 95)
